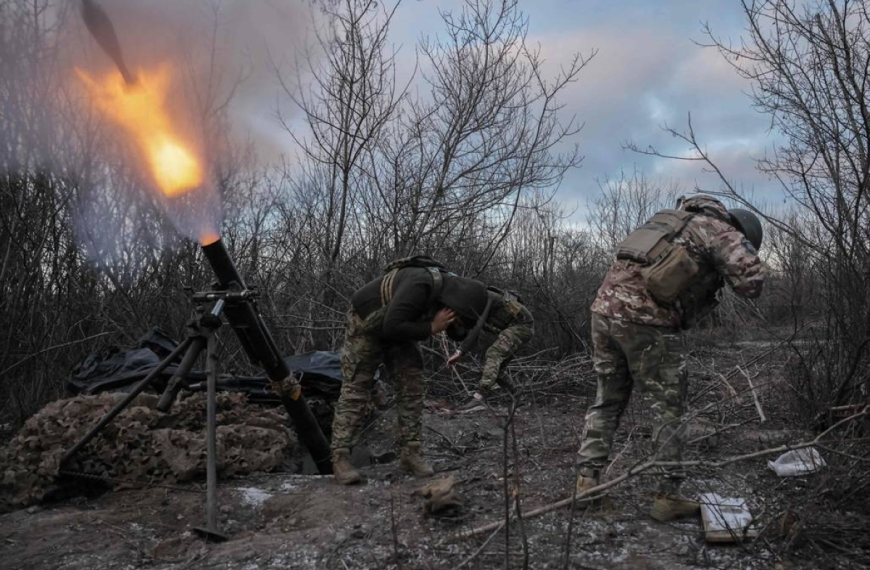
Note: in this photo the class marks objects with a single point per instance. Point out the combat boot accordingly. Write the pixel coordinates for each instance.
(343, 470)
(671, 507)
(587, 479)
(413, 462)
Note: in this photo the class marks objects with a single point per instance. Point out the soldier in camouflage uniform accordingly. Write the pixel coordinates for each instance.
(513, 325)
(388, 316)
(636, 332)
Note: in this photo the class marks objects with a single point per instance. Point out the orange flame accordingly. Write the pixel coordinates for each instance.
(140, 109)
(208, 237)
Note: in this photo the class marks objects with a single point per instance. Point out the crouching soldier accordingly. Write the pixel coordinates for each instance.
(504, 316)
(666, 277)
(412, 301)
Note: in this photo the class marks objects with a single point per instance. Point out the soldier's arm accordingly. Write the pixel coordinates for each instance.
(738, 262)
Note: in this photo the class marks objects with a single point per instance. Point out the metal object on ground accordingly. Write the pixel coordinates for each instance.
(262, 350)
(101, 28)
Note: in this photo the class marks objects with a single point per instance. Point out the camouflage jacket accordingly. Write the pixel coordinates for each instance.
(721, 251)
(505, 311)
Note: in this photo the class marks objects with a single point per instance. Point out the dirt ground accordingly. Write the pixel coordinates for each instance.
(283, 520)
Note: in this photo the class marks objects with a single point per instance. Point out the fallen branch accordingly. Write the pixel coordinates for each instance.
(598, 490)
(754, 395)
(483, 546)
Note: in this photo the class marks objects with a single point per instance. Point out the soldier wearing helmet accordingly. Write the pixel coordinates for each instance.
(666, 276)
(413, 300)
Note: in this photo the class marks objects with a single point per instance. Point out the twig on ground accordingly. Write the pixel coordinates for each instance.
(754, 395)
(483, 546)
(637, 469)
(517, 503)
(449, 441)
(395, 533)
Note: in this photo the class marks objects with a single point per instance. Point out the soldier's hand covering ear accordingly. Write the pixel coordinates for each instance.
(457, 331)
(442, 320)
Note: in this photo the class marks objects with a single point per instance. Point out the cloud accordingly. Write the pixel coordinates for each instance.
(647, 74)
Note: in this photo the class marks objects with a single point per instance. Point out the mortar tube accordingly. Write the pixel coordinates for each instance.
(262, 350)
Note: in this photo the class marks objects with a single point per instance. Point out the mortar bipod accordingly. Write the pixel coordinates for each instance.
(187, 346)
(199, 330)
(202, 336)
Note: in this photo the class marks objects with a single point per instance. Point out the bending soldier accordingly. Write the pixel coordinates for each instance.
(388, 316)
(504, 316)
(666, 277)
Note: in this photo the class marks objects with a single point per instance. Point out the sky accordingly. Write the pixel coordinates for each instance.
(647, 72)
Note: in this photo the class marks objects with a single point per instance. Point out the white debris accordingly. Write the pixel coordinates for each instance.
(797, 462)
(254, 496)
(725, 518)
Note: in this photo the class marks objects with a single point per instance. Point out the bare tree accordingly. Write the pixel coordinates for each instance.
(626, 203)
(490, 131)
(807, 64)
(352, 96)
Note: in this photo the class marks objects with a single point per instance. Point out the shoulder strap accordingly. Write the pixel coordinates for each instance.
(653, 239)
(424, 261)
(437, 283)
(387, 285)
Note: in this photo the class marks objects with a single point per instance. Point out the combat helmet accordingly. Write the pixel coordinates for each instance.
(749, 224)
(466, 296)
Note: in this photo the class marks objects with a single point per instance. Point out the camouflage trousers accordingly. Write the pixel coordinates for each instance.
(362, 353)
(628, 354)
(502, 350)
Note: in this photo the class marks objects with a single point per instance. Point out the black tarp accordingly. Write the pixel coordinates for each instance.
(116, 369)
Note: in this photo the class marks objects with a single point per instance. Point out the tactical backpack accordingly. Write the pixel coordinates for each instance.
(512, 307)
(435, 268)
(667, 268)
(506, 294)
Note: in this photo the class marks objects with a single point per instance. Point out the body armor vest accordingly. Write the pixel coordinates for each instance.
(672, 276)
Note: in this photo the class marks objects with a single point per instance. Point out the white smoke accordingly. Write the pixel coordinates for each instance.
(225, 91)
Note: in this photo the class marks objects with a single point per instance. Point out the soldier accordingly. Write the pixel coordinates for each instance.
(665, 278)
(388, 316)
(504, 316)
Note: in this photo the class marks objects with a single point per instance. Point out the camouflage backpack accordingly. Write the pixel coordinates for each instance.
(435, 268)
(511, 300)
(667, 268)
(506, 294)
